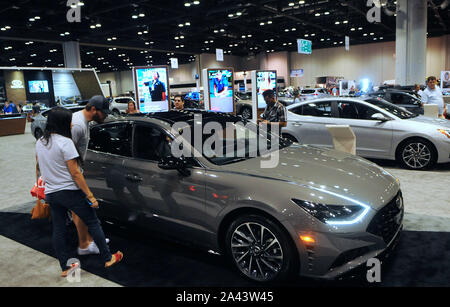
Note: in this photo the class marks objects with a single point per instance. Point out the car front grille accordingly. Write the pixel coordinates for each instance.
(388, 220)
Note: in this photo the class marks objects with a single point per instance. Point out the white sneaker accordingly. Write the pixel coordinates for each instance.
(91, 250)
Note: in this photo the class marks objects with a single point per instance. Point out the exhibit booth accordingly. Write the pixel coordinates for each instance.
(24, 85)
(46, 86)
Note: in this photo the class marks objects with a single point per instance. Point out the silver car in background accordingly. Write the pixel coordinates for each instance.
(320, 213)
(39, 121)
(383, 130)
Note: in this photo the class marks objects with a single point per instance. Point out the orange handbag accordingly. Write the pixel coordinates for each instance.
(40, 211)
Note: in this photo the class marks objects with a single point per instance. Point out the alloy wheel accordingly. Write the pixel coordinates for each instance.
(246, 113)
(257, 251)
(416, 155)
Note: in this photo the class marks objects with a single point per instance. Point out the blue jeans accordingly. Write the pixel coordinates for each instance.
(62, 201)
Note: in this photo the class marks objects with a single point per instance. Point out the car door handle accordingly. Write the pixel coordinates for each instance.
(133, 178)
(297, 124)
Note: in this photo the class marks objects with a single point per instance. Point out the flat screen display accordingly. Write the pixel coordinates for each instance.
(38, 86)
(152, 89)
(221, 90)
(265, 80)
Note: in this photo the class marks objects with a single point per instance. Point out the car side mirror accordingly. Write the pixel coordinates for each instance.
(380, 117)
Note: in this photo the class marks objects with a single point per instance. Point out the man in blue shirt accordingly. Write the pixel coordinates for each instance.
(9, 108)
(220, 85)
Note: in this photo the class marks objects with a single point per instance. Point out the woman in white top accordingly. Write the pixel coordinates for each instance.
(65, 187)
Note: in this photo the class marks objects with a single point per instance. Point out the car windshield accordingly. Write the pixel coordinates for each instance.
(239, 140)
(391, 108)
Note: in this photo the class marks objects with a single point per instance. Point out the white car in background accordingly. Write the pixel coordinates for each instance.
(383, 130)
(313, 93)
(119, 105)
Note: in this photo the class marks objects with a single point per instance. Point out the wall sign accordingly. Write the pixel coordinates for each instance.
(17, 84)
(304, 46)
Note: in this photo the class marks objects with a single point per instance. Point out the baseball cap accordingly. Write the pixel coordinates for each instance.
(100, 103)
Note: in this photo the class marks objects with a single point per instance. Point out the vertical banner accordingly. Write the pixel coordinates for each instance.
(151, 86)
(445, 81)
(219, 55)
(174, 63)
(347, 43)
(218, 87)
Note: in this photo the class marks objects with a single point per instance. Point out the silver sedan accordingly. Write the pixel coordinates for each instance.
(383, 130)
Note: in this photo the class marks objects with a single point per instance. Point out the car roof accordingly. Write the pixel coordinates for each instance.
(172, 117)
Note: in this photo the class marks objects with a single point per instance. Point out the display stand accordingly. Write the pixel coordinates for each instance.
(344, 138)
(225, 103)
(262, 80)
(12, 125)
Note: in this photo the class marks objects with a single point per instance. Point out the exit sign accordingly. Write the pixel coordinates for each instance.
(304, 46)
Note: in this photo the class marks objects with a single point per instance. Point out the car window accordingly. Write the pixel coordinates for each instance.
(307, 92)
(150, 143)
(297, 110)
(112, 138)
(321, 109)
(123, 100)
(397, 98)
(353, 110)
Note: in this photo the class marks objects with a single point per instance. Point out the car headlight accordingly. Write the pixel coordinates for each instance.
(445, 132)
(334, 214)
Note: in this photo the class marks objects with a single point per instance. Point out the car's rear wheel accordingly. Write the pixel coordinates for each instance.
(115, 113)
(417, 154)
(38, 133)
(246, 113)
(260, 250)
(290, 138)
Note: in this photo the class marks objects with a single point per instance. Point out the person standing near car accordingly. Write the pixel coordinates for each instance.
(96, 110)
(433, 95)
(179, 103)
(275, 112)
(58, 161)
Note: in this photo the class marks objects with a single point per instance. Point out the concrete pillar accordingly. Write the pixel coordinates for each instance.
(72, 57)
(411, 42)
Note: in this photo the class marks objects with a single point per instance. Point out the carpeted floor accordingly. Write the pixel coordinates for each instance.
(420, 259)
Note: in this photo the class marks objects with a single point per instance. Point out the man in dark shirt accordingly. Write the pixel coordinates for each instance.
(275, 112)
(220, 84)
(157, 88)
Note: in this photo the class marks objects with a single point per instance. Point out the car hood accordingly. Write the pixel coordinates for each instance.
(334, 173)
(439, 123)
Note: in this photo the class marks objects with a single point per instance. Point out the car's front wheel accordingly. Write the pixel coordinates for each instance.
(260, 249)
(417, 154)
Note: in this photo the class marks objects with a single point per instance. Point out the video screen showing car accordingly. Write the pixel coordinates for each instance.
(152, 89)
(265, 80)
(38, 86)
(221, 90)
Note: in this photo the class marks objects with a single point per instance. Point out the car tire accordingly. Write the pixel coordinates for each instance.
(115, 113)
(38, 133)
(246, 113)
(290, 138)
(266, 267)
(417, 154)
